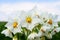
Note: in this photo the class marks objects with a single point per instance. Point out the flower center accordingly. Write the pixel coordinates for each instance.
(15, 24)
(28, 19)
(50, 21)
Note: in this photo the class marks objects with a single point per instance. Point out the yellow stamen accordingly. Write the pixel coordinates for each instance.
(15, 24)
(50, 21)
(28, 19)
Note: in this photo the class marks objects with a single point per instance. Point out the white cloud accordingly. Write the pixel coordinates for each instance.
(14, 7)
(8, 8)
(50, 7)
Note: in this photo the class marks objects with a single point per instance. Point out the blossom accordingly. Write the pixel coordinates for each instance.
(45, 28)
(50, 20)
(7, 32)
(14, 25)
(29, 20)
(49, 35)
(45, 31)
(57, 29)
(33, 36)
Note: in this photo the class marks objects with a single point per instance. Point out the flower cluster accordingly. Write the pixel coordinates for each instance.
(36, 25)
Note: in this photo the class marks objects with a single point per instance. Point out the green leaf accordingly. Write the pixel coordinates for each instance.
(56, 36)
(59, 23)
(21, 36)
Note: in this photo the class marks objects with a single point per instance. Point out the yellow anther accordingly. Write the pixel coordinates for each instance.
(28, 19)
(15, 24)
(50, 21)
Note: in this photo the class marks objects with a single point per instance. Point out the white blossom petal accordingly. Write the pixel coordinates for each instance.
(7, 33)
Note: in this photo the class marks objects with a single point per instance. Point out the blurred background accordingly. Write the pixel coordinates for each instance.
(9, 6)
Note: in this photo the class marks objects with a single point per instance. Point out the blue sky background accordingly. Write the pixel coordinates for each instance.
(14, 1)
(7, 7)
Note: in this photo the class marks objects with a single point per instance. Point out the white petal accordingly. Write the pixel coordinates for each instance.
(9, 25)
(16, 30)
(49, 36)
(7, 33)
(33, 35)
(53, 33)
(31, 26)
(57, 29)
(36, 20)
(40, 34)
(46, 28)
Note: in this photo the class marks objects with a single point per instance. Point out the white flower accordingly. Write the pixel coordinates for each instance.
(7, 32)
(33, 36)
(36, 12)
(40, 33)
(14, 25)
(44, 16)
(49, 18)
(29, 20)
(48, 35)
(52, 19)
(45, 28)
(45, 31)
(57, 29)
